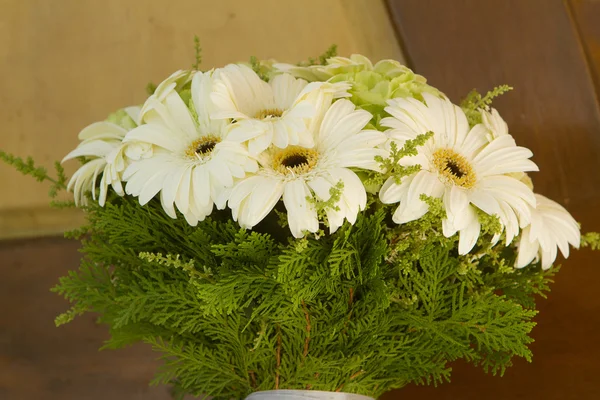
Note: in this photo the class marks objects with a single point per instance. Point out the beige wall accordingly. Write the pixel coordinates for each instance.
(67, 63)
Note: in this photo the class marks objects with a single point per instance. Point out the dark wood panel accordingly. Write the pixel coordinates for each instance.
(40, 361)
(534, 46)
(586, 18)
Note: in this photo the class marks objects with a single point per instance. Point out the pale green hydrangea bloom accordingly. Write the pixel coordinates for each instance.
(372, 85)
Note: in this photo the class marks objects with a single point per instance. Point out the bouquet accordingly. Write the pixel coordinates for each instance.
(330, 226)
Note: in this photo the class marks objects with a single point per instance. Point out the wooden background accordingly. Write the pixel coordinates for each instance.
(67, 65)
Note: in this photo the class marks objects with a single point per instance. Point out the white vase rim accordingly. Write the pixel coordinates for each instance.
(287, 394)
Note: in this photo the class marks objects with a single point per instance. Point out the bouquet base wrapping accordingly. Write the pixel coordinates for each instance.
(304, 394)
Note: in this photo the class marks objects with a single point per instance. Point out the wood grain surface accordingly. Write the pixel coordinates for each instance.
(585, 15)
(41, 362)
(546, 50)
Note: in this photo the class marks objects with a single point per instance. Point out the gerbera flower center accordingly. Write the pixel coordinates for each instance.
(294, 159)
(202, 147)
(269, 113)
(454, 168)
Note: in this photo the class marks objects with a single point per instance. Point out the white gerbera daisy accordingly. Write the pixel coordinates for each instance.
(551, 227)
(101, 143)
(299, 173)
(266, 113)
(192, 163)
(460, 166)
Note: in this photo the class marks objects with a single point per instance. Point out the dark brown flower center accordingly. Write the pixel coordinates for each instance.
(295, 160)
(454, 168)
(269, 113)
(206, 147)
(202, 147)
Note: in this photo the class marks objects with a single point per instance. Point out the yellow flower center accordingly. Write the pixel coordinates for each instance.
(202, 147)
(295, 159)
(269, 113)
(454, 167)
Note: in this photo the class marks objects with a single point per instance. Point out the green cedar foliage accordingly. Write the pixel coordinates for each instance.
(370, 308)
(39, 173)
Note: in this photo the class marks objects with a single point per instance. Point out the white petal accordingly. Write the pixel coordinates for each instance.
(93, 148)
(170, 189)
(321, 95)
(527, 250)
(515, 193)
(219, 173)
(239, 93)
(280, 134)
(152, 187)
(286, 89)
(182, 196)
(353, 186)
(448, 121)
(413, 207)
(103, 190)
(360, 150)
(260, 143)
(157, 135)
(202, 85)
(548, 257)
(474, 141)
(484, 201)
(262, 200)
(341, 121)
(469, 234)
(354, 195)
(102, 128)
(391, 192)
(134, 113)
(320, 187)
(448, 228)
(509, 220)
(246, 129)
(503, 156)
(190, 218)
(412, 113)
(456, 202)
(494, 123)
(140, 172)
(242, 190)
(302, 216)
(302, 109)
(201, 185)
(174, 115)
